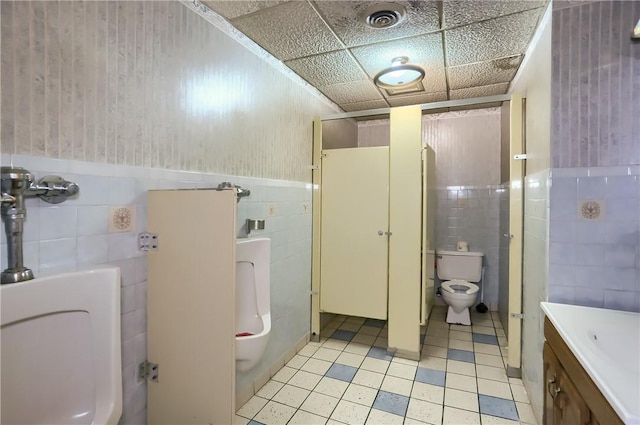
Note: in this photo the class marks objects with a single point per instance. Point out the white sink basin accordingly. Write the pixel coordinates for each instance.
(607, 345)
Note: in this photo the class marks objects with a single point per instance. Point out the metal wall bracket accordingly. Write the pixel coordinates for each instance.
(517, 315)
(148, 241)
(149, 371)
(520, 156)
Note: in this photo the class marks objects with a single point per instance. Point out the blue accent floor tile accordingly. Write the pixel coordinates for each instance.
(461, 355)
(252, 422)
(499, 407)
(343, 335)
(391, 403)
(375, 323)
(341, 372)
(379, 353)
(430, 376)
(485, 339)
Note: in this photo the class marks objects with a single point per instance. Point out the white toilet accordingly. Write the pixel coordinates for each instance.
(458, 269)
(60, 344)
(253, 304)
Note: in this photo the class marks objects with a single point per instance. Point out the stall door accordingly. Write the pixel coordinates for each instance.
(190, 302)
(354, 232)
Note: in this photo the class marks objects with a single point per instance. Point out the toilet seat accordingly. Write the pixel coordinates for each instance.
(450, 286)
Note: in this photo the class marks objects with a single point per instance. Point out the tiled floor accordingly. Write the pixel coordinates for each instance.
(348, 378)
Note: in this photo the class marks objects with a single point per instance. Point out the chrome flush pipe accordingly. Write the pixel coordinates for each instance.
(240, 192)
(16, 184)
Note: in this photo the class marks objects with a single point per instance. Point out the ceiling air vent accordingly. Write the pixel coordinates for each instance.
(384, 15)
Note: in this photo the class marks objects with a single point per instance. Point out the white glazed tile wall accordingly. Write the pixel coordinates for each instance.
(595, 262)
(472, 214)
(595, 85)
(54, 243)
(148, 84)
(534, 285)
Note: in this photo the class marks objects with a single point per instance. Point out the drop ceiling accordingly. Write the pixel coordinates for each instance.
(468, 48)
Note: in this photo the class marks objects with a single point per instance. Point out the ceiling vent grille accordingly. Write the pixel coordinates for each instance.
(384, 15)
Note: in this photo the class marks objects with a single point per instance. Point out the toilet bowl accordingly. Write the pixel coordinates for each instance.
(459, 295)
(458, 270)
(253, 304)
(60, 344)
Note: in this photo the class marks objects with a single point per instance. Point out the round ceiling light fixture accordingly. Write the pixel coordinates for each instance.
(384, 15)
(400, 74)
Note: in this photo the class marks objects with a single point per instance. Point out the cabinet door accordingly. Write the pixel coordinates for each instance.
(551, 372)
(573, 409)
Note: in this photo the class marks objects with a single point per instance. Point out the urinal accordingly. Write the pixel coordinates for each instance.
(60, 347)
(253, 304)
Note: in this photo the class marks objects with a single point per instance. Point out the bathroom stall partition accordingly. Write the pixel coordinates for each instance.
(190, 306)
(368, 230)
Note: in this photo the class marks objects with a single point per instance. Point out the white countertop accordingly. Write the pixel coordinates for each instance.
(607, 345)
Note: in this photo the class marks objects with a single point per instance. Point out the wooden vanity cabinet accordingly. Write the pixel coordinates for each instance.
(570, 396)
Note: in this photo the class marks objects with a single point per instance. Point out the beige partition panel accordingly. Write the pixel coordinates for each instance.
(190, 310)
(405, 206)
(315, 258)
(516, 207)
(354, 240)
(429, 211)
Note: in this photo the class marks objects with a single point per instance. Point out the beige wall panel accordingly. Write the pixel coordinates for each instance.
(315, 256)
(337, 134)
(429, 211)
(190, 312)
(516, 205)
(405, 206)
(353, 256)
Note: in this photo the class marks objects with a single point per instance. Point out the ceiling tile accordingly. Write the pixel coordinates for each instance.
(354, 91)
(417, 99)
(434, 81)
(424, 50)
(483, 73)
(233, 9)
(290, 30)
(481, 91)
(459, 12)
(347, 20)
(363, 106)
(327, 68)
(500, 37)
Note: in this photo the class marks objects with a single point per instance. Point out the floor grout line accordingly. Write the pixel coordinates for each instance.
(435, 329)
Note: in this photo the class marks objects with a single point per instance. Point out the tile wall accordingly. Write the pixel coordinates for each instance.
(120, 95)
(472, 214)
(74, 235)
(467, 146)
(595, 261)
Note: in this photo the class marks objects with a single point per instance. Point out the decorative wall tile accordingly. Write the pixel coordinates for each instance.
(595, 254)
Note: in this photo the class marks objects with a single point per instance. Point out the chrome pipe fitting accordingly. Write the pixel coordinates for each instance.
(16, 184)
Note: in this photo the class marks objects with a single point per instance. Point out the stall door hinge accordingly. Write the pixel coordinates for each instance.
(148, 241)
(517, 315)
(148, 371)
(520, 156)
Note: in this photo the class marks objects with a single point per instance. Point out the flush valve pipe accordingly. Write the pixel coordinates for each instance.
(16, 184)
